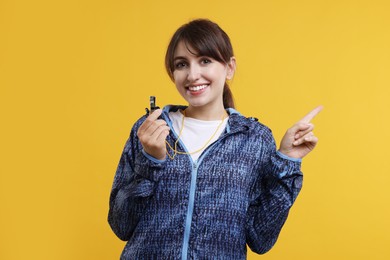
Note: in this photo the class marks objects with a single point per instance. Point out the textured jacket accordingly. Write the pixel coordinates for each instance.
(238, 192)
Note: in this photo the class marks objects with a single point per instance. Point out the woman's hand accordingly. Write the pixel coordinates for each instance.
(152, 134)
(299, 140)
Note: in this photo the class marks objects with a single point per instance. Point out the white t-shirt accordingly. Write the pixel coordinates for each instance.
(196, 132)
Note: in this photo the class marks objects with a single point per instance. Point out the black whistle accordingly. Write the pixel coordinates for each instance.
(152, 101)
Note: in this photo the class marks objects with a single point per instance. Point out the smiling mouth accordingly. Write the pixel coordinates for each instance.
(197, 88)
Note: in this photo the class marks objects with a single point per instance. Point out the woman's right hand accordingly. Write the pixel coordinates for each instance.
(152, 134)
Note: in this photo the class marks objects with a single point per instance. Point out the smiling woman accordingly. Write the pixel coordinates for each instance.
(221, 184)
(201, 81)
(207, 41)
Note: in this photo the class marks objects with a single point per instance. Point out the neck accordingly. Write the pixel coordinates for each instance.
(206, 113)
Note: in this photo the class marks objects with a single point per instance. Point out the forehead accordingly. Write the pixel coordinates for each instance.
(185, 50)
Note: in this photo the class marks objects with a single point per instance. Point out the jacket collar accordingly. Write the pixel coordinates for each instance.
(236, 122)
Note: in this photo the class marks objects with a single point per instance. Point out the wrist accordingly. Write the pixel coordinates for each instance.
(154, 156)
(287, 155)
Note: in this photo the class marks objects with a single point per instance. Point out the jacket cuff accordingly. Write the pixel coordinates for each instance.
(152, 158)
(148, 167)
(286, 166)
(288, 157)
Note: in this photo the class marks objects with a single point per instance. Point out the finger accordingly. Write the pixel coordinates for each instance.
(308, 138)
(156, 128)
(303, 132)
(149, 120)
(311, 114)
(155, 140)
(163, 135)
(156, 113)
(313, 140)
(298, 127)
(148, 128)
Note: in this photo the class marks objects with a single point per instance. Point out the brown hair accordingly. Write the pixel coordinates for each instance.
(206, 38)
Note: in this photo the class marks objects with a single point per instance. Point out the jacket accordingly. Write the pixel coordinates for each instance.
(237, 193)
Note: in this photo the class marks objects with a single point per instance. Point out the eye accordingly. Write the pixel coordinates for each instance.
(180, 64)
(205, 60)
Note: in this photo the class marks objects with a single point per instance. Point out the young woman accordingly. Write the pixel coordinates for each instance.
(202, 181)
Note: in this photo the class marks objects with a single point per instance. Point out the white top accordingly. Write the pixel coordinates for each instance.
(196, 132)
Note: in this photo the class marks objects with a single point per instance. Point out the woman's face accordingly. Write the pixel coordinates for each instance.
(200, 79)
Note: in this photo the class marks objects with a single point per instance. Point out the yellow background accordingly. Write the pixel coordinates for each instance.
(75, 75)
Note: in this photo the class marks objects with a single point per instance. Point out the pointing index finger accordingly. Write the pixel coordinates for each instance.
(311, 114)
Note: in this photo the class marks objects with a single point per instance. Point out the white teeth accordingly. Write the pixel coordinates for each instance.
(197, 88)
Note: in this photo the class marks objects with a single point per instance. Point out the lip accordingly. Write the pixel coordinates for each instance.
(193, 87)
(197, 89)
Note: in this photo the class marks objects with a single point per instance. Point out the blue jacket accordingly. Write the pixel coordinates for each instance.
(238, 192)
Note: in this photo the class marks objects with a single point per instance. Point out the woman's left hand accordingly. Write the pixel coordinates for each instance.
(299, 140)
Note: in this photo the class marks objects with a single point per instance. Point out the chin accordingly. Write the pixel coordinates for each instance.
(197, 103)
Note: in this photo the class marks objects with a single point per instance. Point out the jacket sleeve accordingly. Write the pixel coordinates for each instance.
(135, 181)
(278, 184)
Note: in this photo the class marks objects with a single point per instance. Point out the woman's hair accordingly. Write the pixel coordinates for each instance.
(206, 38)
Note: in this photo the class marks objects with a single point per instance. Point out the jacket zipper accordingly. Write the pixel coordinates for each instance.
(190, 209)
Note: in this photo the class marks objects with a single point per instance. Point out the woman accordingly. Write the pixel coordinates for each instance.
(201, 181)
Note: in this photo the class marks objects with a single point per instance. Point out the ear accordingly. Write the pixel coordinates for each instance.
(231, 68)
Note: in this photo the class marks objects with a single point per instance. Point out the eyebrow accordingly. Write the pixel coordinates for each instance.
(185, 58)
(179, 58)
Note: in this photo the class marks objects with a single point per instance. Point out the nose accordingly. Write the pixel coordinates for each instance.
(193, 73)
